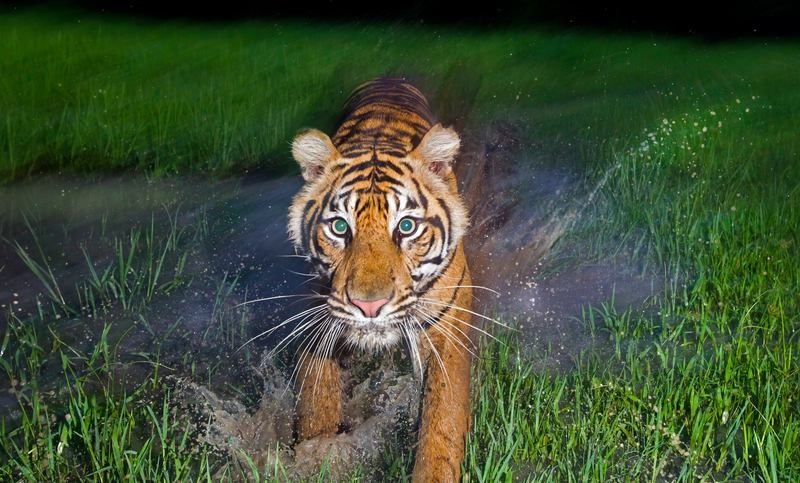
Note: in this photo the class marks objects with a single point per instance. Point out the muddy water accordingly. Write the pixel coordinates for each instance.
(234, 235)
(523, 200)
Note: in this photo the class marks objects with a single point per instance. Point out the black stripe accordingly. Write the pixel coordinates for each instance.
(395, 153)
(431, 243)
(307, 221)
(355, 151)
(422, 198)
(436, 222)
(434, 260)
(449, 219)
(403, 298)
(357, 167)
(402, 308)
(372, 163)
(363, 177)
(338, 311)
(314, 218)
(393, 167)
(315, 260)
(433, 279)
(320, 250)
(336, 299)
(373, 178)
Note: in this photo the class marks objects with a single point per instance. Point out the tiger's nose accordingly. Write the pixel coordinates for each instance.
(370, 309)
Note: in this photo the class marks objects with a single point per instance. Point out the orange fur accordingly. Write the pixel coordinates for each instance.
(381, 221)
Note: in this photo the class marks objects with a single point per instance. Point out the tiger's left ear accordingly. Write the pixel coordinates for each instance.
(438, 149)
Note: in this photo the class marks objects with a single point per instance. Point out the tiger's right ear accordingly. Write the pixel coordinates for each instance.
(312, 149)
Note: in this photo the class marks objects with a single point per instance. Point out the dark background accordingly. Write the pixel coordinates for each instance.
(683, 17)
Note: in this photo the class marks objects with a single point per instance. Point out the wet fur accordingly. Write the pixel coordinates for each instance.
(386, 162)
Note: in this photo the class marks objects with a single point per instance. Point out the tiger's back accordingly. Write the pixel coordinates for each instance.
(388, 116)
(381, 221)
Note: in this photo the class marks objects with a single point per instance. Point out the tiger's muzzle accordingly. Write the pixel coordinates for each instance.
(373, 282)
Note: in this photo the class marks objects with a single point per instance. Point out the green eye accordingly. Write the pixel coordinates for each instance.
(406, 226)
(339, 226)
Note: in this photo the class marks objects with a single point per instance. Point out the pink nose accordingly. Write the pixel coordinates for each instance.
(370, 309)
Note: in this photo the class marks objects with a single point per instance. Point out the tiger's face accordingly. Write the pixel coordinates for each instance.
(380, 230)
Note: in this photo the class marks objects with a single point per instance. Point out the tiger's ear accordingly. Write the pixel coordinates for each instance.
(312, 149)
(438, 149)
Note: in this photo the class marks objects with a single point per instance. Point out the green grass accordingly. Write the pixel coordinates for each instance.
(90, 437)
(89, 92)
(83, 426)
(691, 402)
(704, 192)
(702, 385)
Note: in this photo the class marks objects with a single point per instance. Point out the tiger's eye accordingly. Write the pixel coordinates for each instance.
(339, 226)
(407, 226)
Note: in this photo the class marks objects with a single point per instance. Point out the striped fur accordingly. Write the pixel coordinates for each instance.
(386, 164)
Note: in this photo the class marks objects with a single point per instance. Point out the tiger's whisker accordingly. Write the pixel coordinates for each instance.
(311, 275)
(466, 286)
(413, 347)
(318, 359)
(304, 325)
(326, 345)
(274, 298)
(451, 306)
(434, 351)
(315, 336)
(294, 335)
(450, 337)
(290, 319)
(456, 319)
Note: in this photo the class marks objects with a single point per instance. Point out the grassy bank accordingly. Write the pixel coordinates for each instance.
(701, 144)
(702, 385)
(92, 92)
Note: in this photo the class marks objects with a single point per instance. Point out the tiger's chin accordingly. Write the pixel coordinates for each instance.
(373, 336)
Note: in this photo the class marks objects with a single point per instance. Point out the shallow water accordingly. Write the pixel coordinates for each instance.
(232, 231)
(203, 334)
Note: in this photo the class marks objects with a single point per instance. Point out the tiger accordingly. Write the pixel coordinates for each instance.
(381, 222)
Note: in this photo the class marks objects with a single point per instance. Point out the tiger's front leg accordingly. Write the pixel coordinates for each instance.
(445, 409)
(320, 396)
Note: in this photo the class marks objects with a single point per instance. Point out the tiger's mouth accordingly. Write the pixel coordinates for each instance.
(373, 335)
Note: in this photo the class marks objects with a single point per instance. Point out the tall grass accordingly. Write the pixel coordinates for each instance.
(78, 417)
(704, 384)
(693, 402)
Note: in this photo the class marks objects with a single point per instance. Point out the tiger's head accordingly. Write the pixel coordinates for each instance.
(379, 229)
